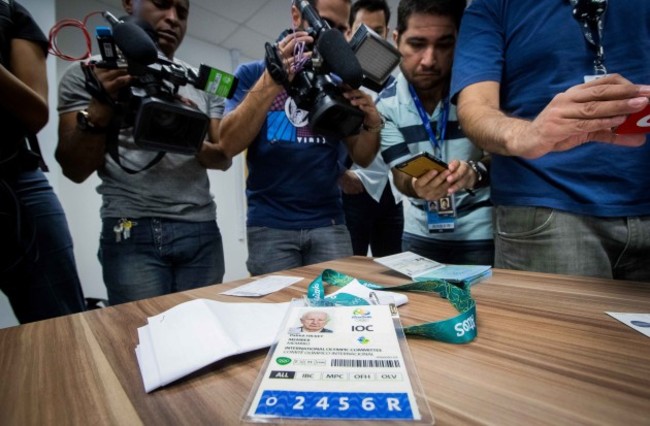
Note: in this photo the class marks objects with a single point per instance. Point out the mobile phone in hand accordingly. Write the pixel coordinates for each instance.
(636, 123)
(421, 163)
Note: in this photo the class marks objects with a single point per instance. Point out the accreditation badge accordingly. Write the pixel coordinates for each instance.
(338, 363)
(441, 215)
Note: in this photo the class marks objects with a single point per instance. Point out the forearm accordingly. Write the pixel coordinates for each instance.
(363, 147)
(80, 153)
(25, 105)
(492, 130)
(23, 89)
(240, 127)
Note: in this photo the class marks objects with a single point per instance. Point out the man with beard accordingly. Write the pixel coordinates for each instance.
(420, 118)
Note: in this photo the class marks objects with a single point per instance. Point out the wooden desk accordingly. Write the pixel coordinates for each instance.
(546, 353)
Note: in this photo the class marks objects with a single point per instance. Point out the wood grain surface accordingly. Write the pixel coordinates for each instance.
(546, 353)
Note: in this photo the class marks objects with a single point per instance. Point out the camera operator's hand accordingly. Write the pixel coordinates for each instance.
(112, 81)
(288, 49)
(365, 103)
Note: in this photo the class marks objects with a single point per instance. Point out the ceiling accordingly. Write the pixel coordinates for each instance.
(244, 25)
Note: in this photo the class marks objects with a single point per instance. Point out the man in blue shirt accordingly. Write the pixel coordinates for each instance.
(524, 79)
(295, 216)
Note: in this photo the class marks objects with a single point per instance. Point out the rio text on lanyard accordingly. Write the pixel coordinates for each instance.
(590, 16)
(441, 125)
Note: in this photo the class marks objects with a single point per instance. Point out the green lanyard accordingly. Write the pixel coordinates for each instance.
(458, 329)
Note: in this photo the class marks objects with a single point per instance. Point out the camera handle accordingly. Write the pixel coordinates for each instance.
(274, 65)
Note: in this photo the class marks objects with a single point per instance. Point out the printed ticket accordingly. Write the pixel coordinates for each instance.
(341, 362)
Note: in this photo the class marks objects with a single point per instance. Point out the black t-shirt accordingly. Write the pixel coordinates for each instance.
(15, 23)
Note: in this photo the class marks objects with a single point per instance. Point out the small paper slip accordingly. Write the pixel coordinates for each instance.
(639, 322)
(419, 268)
(263, 286)
(197, 333)
(383, 297)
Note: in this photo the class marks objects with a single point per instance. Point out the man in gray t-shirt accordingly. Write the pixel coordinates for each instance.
(159, 231)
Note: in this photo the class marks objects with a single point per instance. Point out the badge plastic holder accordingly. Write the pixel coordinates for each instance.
(325, 384)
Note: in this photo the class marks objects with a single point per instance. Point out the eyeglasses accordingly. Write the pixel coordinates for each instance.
(590, 16)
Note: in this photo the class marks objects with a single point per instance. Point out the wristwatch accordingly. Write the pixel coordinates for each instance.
(482, 175)
(85, 125)
(377, 128)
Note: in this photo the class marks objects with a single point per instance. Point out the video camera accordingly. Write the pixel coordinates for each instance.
(150, 104)
(317, 86)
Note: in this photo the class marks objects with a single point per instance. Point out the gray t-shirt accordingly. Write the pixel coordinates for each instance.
(177, 187)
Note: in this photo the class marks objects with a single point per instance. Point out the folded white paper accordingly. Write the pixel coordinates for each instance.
(197, 333)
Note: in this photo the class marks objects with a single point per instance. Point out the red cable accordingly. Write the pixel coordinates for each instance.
(75, 23)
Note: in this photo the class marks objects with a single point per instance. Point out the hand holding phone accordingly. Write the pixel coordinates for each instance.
(420, 164)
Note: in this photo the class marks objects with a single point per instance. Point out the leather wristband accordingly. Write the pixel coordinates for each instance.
(482, 174)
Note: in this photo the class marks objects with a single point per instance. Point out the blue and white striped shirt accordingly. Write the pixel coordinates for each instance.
(404, 135)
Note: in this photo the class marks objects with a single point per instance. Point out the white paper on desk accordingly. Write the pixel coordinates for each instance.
(385, 297)
(639, 322)
(263, 286)
(197, 333)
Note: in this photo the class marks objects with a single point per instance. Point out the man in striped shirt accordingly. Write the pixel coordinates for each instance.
(448, 214)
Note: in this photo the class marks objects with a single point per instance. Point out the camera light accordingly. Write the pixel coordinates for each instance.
(378, 58)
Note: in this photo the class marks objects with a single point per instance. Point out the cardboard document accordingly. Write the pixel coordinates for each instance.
(339, 363)
(419, 268)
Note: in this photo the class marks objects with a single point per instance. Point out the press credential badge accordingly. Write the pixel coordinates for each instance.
(352, 368)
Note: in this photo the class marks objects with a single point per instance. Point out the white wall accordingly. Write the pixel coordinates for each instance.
(81, 202)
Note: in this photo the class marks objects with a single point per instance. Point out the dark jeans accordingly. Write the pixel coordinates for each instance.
(378, 225)
(38, 272)
(479, 252)
(271, 250)
(161, 256)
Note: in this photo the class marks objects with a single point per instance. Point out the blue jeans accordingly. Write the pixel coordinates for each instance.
(546, 240)
(161, 256)
(479, 252)
(271, 250)
(375, 224)
(37, 271)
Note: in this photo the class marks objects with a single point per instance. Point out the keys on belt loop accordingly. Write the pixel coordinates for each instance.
(123, 229)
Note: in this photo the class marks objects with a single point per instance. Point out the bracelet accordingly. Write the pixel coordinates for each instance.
(482, 175)
(375, 129)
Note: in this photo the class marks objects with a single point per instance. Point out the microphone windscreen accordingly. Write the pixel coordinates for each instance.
(340, 57)
(135, 43)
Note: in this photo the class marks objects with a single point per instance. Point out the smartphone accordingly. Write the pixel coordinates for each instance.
(421, 163)
(636, 123)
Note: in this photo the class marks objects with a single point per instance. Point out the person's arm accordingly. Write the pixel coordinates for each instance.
(586, 112)
(79, 152)
(23, 89)
(240, 127)
(363, 147)
(212, 155)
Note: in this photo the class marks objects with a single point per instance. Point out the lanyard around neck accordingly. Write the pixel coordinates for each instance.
(441, 124)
